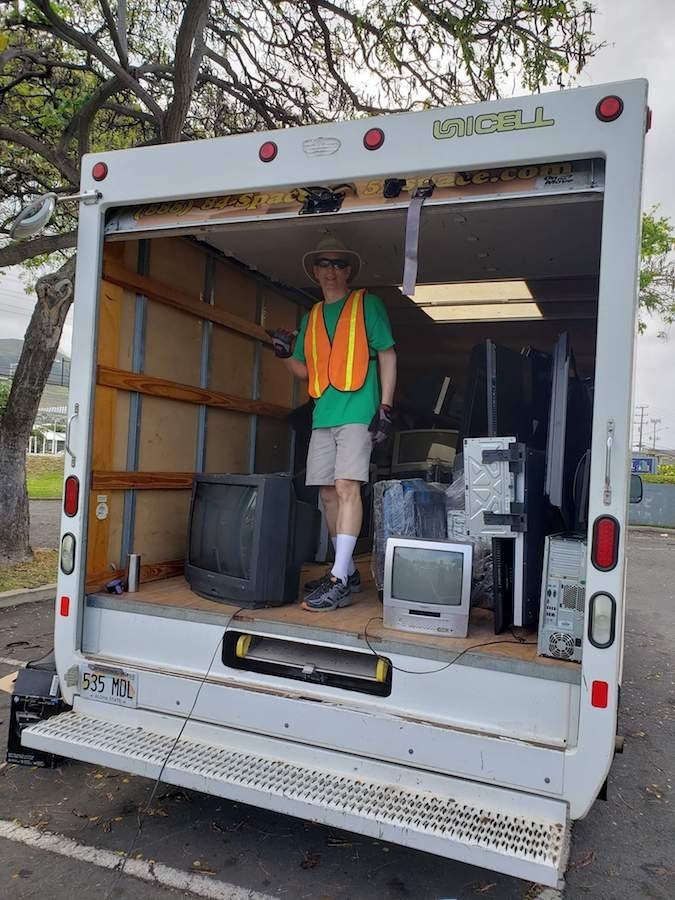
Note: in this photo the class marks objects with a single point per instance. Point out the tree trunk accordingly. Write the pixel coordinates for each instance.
(54, 297)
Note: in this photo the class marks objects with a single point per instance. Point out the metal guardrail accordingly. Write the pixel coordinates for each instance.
(59, 375)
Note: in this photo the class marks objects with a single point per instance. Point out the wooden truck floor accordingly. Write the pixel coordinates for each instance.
(355, 626)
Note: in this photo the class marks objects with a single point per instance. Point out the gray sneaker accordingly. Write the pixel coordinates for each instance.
(311, 587)
(333, 596)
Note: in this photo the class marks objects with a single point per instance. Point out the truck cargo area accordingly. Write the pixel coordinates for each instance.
(187, 383)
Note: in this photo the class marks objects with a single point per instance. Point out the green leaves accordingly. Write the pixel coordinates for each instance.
(657, 271)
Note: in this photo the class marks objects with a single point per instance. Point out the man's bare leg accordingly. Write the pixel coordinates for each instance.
(349, 517)
(329, 501)
(350, 508)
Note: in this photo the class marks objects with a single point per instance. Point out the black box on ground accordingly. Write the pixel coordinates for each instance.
(36, 696)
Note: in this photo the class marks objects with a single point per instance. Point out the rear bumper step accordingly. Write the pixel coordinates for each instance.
(507, 831)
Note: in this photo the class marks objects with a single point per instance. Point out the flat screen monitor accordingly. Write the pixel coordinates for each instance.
(421, 449)
(557, 421)
(569, 438)
(427, 586)
(504, 394)
(248, 537)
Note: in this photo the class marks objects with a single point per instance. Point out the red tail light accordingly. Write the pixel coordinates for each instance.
(99, 171)
(71, 495)
(605, 549)
(609, 108)
(65, 606)
(599, 694)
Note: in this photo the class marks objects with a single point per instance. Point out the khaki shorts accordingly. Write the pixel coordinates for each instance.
(341, 452)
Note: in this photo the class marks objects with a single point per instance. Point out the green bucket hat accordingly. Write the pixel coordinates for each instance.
(331, 245)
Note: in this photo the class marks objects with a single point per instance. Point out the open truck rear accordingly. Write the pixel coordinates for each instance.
(482, 750)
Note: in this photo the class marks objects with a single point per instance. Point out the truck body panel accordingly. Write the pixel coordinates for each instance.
(172, 374)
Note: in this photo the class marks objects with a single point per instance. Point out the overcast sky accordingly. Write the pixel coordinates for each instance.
(641, 43)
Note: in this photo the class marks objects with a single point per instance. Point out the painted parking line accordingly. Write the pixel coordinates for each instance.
(14, 663)
(154, 872)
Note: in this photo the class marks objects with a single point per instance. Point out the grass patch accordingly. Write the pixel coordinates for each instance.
(44, 477)
(42, 569)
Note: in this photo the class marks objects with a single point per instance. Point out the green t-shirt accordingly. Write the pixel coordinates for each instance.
(334, 408)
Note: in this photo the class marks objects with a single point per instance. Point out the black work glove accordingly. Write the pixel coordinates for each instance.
(381, 425)
(282, 342)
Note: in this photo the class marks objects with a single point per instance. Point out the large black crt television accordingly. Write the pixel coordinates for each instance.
(248, 538)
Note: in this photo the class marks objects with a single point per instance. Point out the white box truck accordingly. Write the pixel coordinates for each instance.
(479, 749)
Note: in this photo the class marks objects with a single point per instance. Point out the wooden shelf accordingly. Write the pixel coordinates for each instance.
(187, 393)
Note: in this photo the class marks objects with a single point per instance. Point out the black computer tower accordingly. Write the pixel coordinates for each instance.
(527, 523)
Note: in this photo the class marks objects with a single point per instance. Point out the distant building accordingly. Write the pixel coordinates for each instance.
(47, 441)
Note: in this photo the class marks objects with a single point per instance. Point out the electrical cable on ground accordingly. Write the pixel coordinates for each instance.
(142, 813)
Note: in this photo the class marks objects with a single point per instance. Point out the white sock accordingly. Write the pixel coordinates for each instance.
(344, 547)
(351, 568)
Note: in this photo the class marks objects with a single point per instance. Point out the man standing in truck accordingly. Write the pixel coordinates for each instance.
(345, 350)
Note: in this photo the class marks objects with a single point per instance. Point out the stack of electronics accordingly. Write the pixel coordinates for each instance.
(529, 474)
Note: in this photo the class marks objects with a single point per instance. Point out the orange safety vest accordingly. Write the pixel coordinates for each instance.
(344, 363)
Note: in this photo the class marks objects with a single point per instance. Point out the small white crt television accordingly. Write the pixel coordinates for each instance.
(427, 586)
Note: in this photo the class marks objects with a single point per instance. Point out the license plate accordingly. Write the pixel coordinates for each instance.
(120, 688)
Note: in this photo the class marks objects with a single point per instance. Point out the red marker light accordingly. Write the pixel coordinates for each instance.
(65, 606)
(599, 694)
(373, 139)
(609, 108)
(605, 547)
(99, 172)
(268, 151)
(71, 496)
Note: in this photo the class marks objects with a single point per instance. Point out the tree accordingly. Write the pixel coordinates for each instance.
(4, 395)
(87, 75)
(657, 270)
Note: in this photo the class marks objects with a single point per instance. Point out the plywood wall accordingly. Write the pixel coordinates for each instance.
(168, 429)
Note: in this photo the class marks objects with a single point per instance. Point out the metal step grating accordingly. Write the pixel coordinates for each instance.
(537, 841)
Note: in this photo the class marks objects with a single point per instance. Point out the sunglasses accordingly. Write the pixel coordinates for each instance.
(324, 263)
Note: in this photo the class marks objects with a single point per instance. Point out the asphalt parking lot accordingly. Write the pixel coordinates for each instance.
(624, 849)
(45, 519)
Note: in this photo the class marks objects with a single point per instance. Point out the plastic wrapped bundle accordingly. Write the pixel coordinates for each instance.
(408, 508)
(454, 493)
